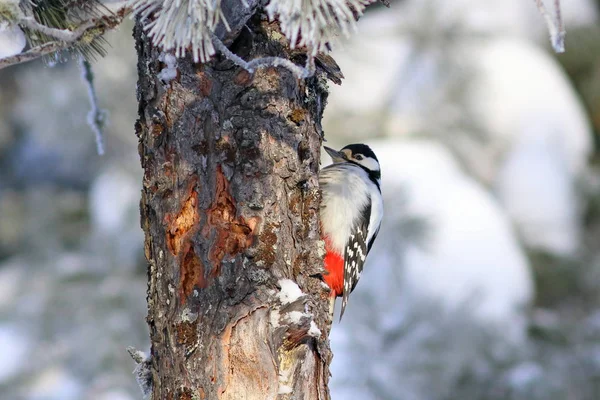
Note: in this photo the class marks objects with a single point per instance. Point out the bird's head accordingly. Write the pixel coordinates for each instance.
(359, 153)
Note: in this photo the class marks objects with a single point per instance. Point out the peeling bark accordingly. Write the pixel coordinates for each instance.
(229, 208)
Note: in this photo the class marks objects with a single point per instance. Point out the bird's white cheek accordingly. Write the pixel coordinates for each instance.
(370, 164)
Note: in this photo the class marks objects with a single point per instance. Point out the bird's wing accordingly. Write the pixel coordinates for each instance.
(355, 254)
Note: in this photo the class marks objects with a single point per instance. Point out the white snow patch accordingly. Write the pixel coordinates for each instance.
(289, 292)
(285, 375)
(140, 355)
(12, 39)
(314, 331)
(296, 316)
(169, 72)
(284, 389)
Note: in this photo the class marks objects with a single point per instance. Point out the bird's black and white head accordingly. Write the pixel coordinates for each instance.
(359, 154)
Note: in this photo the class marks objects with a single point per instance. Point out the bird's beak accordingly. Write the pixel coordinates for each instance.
(336, 156)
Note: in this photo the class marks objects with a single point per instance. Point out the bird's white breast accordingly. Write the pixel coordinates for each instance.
(346, 190)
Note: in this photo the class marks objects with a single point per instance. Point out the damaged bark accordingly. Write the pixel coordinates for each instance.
(230, 213)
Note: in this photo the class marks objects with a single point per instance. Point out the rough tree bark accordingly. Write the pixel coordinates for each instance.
(230, 210)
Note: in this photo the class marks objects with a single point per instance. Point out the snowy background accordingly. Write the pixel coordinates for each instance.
(484, 282)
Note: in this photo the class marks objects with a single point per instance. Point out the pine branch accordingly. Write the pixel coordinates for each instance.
(32, 54)
(84, 33)
(47, 18)
(316, 23)
(181, 24)
(64, 35)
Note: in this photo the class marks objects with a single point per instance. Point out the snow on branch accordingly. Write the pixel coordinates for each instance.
(96, 117)
(250, 66)
(85, 32)
(64, 35)
(142, 371)
(178, 24)
(315, 23)
(555, 25)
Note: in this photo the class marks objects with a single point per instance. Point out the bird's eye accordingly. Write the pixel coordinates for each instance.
(358, 157)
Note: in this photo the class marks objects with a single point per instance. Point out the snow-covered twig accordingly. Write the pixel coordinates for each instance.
(95, 27)
(316, 23)
(555, 25)
(560, 26)
(184, 25)
(64, 35)
(32, 54)
(181, 24)
(137, 355)
(142, 371)
(250, 66)
(96, 117)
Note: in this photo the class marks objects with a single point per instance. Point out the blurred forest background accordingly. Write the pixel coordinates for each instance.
(484, 282)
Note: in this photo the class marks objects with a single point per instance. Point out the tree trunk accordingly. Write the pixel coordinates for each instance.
(230, 213)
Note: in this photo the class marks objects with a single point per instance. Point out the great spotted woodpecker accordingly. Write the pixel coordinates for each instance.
(351, 212)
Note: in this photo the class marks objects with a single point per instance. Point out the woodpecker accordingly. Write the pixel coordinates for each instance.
(351, 211)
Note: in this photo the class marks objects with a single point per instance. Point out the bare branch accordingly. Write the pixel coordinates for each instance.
(555, 25)
(299, 72)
